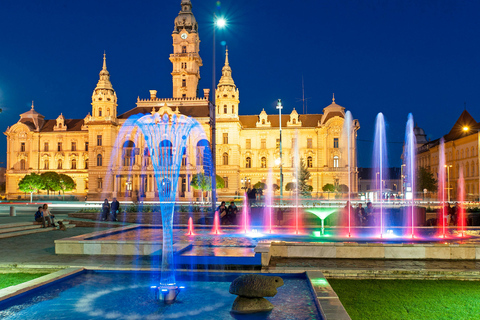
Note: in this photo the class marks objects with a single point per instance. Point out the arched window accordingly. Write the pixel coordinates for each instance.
(74, 164)
(225, 109)
(184, 83)
(248, 162)
(128, 153)
(225, 159)
(22, 164)
(166, 153)
(99, 160)
(472, 165)
(263, 162)
(46, 164)
(203, 153)
(467, 170)
(263, 121)
(467, 153)
(309, 162)
(60, 164)
(233, 109)
(335, 161)
(294, 121)
(472, 152)
(100, 112)
(457, 154)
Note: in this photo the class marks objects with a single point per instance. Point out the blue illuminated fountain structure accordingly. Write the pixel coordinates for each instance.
(166, 136)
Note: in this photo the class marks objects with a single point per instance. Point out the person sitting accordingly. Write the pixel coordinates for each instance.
(40, 218)
(360, 215)
(105, 210)
(222, 212)
(114, 207)
(370, 217)
(232, 213)
(48, 216)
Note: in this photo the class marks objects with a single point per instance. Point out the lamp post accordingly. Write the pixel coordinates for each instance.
(280, 107)
(221, 23)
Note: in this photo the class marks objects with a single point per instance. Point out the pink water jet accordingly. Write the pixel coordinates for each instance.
(441, 188)
(245, 214)
(190, 227)
(461, 205)
(216, 224)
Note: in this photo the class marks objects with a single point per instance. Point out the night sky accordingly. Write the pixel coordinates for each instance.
(390, 56)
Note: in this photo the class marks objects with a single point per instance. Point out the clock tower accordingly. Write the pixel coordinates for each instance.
(185, 58)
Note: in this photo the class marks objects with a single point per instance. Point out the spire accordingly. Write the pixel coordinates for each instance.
(226, 79)
(33, 107)
(333, 99)
(104, 81)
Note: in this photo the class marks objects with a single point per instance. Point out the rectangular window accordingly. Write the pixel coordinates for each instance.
(184, 83)
(22, 147)
(225, 138)
(226, 182)
(184, 65)
(309, 143)
(46, 165)
(86, 164)
(335, 142)
(99, 140)
(368, 187)
(248, 144)
(294, 141)
(263, 144)
(45, 146)
(86, 146)
(74, 146)
(277, 145)
(100, 183)
(59, 146)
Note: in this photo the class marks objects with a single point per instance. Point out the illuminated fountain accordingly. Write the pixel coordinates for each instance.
(409, 162)
(322, 214)
(347, 134)
(461, 205)
(442, 213)
(380, 165)
(269, 202)
(166, 136)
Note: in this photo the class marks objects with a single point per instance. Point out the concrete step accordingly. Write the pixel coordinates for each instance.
(36, 229)
(14, 225)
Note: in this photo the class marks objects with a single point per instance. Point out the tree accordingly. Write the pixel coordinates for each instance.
(328, 188)
(290, 186)
(425, 180)
(260, 185)
(343, 188)
(31, 183)
(304, 175)
(204, 183)
(66, 183)
(51, 181)
(275, 188)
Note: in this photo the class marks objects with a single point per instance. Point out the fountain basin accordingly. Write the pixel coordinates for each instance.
(129, 295)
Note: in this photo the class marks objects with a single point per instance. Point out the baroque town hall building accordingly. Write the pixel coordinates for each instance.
(246, 145)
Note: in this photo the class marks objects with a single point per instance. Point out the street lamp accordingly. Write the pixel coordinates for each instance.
(448, 180)
(280, 107)
(220, 23)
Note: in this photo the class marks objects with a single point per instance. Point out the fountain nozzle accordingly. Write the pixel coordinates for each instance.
(168, 294)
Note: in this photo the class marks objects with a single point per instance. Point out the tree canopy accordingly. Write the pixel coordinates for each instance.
(66, 182)
(260, 185)
(303, 178)
(290, 186)
(425, 180)
(31, 183)
(51, 181)
(328, 187)
(202, 182)
(342, 188)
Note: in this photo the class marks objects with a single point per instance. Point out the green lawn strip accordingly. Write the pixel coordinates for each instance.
(409, 299)
(11, 279)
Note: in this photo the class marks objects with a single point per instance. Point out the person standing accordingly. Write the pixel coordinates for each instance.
(370, 218)
(48, 215)
(232, 213)
(114, 207)
(105, 210)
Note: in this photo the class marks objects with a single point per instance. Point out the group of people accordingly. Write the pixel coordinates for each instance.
(363, 216)
(110, 210)
(451, 214)
(44, 216)
(227, 215)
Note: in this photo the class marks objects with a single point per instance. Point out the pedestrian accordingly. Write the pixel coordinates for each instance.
(360, 215)
(222, 212)
(232, 213)
(105, 210)
(114, 209)
(370, 217)
(48, 215)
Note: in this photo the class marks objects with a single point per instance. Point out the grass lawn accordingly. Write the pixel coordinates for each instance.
(11, 279)
(409, 299)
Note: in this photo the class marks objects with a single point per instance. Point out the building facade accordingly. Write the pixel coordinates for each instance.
(461, 157)
(247, 146)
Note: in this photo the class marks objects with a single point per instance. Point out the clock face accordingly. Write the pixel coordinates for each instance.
(184, 36)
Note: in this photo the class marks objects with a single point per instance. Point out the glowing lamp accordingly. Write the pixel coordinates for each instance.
(465, 129)
(221, 22)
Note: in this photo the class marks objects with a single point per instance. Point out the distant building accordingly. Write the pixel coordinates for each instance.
(461, 155)
(247, 146)
(368, 183)
(2, 179)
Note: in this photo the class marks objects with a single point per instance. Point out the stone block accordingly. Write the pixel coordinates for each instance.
(311, 252)
(437, 252)
(404, 253)
(462, 253)
(92, 248)
(361, 252)
(68, 248)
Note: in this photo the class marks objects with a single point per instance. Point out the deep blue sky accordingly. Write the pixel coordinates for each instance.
(390, 56)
